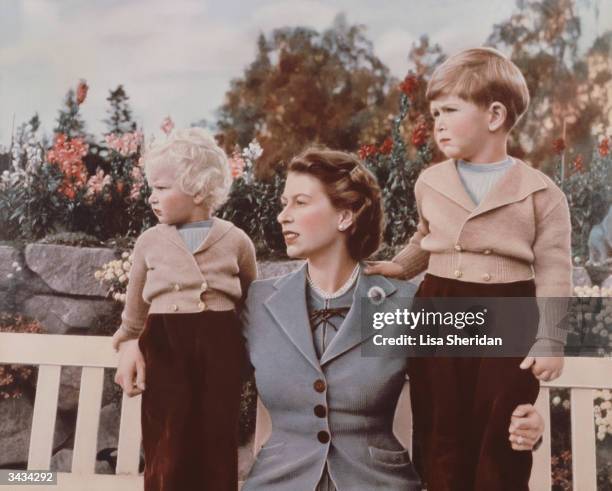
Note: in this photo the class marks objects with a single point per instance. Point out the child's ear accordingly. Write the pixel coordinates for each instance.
(198, 199)
(497, 115)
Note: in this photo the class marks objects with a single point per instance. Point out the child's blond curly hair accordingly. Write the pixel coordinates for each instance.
(202, 166)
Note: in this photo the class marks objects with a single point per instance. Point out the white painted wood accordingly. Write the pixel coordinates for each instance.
(583, 439)
(57, 349)
(402, 420)
(43, 418)
(88, 420)
(591, 373)
(263, 427)
(128, 454)
(541, 474)
(67, 481)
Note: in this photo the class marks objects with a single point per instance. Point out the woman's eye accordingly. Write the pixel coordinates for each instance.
(300, 202)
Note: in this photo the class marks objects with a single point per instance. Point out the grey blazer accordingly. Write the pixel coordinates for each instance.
(337, 410)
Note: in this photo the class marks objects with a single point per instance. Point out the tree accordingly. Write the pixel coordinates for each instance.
(305, 87)
(542, 39)
(119, 119)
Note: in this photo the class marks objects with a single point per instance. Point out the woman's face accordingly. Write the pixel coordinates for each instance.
(309, 221)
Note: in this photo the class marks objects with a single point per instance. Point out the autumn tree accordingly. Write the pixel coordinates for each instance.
(307, 87)
(541, 37)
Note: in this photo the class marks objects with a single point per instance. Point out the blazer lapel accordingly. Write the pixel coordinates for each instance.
(350, 332)
(288, 308)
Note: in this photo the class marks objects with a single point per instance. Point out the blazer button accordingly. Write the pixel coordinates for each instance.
(457, 247)
(323, 436)
(319, 385)
(202, 305)
(486, 276)
(174, 308)
(177, 287)
(203, 286)
(458, 273)
(487, 251)
(320, 411)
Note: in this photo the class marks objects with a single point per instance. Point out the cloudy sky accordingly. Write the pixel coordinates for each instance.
(177, 57)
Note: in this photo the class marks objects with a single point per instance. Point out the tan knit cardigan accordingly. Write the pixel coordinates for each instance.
(167, 278)
(519, 231)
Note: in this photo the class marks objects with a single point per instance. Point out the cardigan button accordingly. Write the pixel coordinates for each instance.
(319, 385)
(486, 276)
(177, 287)
(323, 436)
(457, 247)
(204, 286)
(174, 308)
(320, 411)
(202, 305)
(487, 251)
(458, 273)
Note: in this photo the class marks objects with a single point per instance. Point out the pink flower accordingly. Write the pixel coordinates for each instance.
(97, 183)
(81, 92)
(126, 144)
(167, 125)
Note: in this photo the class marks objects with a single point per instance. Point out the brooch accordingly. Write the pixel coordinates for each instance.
(376, 295)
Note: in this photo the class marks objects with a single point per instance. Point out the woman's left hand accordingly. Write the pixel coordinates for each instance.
(526, 427)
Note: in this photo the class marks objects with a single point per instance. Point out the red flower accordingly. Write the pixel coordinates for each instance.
(604, 147)
(420, 135)
(120, 186)
(81, 92)
(409, 85)
(386, 147)
(559, 146)
(367, 151)
(578, 163)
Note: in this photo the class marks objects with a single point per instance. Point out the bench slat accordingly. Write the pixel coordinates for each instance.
(67, 481)
(128, 455)
(541, 477)
(43, 418)
(88, 420)
(57, 349)
(583, 439)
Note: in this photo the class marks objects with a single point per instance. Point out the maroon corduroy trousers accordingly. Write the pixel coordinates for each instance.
(462, 406)
(191, 403)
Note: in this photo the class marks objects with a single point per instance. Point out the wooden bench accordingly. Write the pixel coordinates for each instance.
(94, 353)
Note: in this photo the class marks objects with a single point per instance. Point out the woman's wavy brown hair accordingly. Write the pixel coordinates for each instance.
(349, 186)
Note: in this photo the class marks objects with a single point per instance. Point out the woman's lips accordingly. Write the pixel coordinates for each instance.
(290, 237)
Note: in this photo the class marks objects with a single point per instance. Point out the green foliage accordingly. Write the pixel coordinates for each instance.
(77, 239)
(588, 194)
(119, 119)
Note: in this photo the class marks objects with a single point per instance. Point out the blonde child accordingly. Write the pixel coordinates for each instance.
(489, 225)
(189, 275)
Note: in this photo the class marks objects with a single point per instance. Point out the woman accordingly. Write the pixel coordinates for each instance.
(331, 408)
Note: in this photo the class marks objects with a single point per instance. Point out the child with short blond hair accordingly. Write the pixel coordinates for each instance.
(489, 226)
(189, 275)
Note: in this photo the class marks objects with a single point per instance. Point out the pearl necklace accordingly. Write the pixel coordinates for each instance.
(338, 293)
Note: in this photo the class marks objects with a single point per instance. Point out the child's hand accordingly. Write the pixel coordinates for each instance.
(545, 359)
(131, 370)
(119, 337)
(384, 268)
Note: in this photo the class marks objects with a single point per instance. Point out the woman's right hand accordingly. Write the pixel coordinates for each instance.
(384, 268)
(131, 370)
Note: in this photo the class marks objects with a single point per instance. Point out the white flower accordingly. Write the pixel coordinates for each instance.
(556, 400)
(10, 276)
(376, 295)
(18, 268)
(15, 265)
